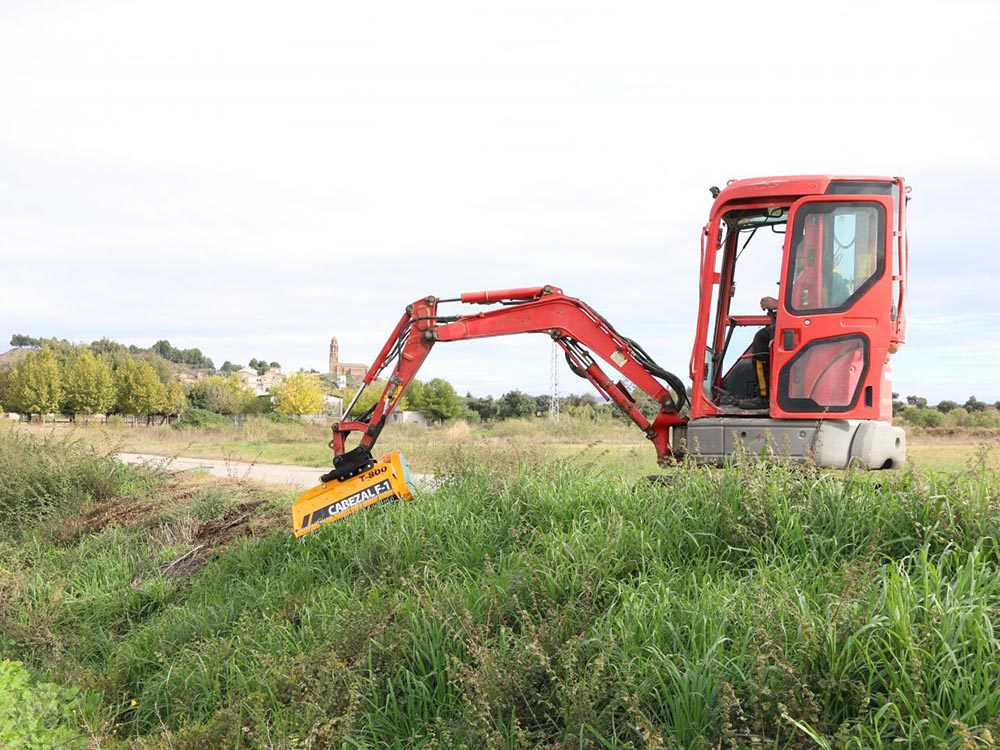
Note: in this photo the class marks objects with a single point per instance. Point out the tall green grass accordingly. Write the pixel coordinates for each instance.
(45, 477)
(753, 607)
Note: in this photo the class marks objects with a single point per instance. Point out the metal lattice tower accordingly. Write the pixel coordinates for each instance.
(554, 383)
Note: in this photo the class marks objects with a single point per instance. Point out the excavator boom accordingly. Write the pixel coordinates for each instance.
(576, 327)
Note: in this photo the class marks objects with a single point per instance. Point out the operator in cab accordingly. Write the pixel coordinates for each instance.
(760, 349)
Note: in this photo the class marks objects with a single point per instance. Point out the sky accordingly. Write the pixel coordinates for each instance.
(254, 178)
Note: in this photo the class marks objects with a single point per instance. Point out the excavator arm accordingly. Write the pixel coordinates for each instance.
(576, 327)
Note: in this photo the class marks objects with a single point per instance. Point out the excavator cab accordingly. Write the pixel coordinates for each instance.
(833, 257)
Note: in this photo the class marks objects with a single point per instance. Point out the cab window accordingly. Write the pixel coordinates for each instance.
(837, 253)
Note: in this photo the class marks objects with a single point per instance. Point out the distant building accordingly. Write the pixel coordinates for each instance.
(344, 370)
(409, 417)
(261, 384)
(333, 406)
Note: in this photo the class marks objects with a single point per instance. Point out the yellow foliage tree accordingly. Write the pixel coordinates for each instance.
(175, 401)
(34, 385)
(301, 394)
(87, 385)
(138, 389)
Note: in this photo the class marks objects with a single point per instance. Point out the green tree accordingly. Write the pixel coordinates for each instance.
(974, 404)
(301, 393)
(415, 395)
(579, 405)
(898, 407)
(163, 348)
(514, 404)
(180, 356)
(138, 389)
(108, 349)
(439, 401)
(88, 387)
(486, 407)
(946, 406)
(34, 385)
(175, 400)
(260, 365)
(19, 339)
(162, 367)
(918, 401)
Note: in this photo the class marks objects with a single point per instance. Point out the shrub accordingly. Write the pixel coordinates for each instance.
(962, 417)
(40, 477)
(922, 416)
(983, 419)
(35, 715)
(957, 417)
(201, 418)
(280, 418)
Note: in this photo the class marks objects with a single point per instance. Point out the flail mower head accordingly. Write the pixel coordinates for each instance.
(336, 498)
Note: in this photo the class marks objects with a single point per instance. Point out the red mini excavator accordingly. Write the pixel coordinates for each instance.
(808, 378)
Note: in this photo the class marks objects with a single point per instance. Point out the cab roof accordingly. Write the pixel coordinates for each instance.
(793, 186)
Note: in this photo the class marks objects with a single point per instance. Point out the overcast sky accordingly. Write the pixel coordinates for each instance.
(252, 178)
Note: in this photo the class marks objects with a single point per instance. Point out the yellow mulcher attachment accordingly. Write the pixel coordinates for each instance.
(387, 480)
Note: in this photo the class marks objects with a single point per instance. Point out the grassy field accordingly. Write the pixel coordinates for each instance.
(525, 603)
(606, 443)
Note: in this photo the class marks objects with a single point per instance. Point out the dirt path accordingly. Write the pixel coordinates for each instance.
(286, 475)
(297, 477)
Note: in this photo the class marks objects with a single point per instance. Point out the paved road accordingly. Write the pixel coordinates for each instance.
(287, 475)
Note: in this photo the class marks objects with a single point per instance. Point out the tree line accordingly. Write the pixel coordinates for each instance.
(439, 402)
(162, 348)
(81, 382)
(916, 411)
(107, 378)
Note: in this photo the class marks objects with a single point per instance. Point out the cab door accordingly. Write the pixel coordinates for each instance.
(829, 355)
